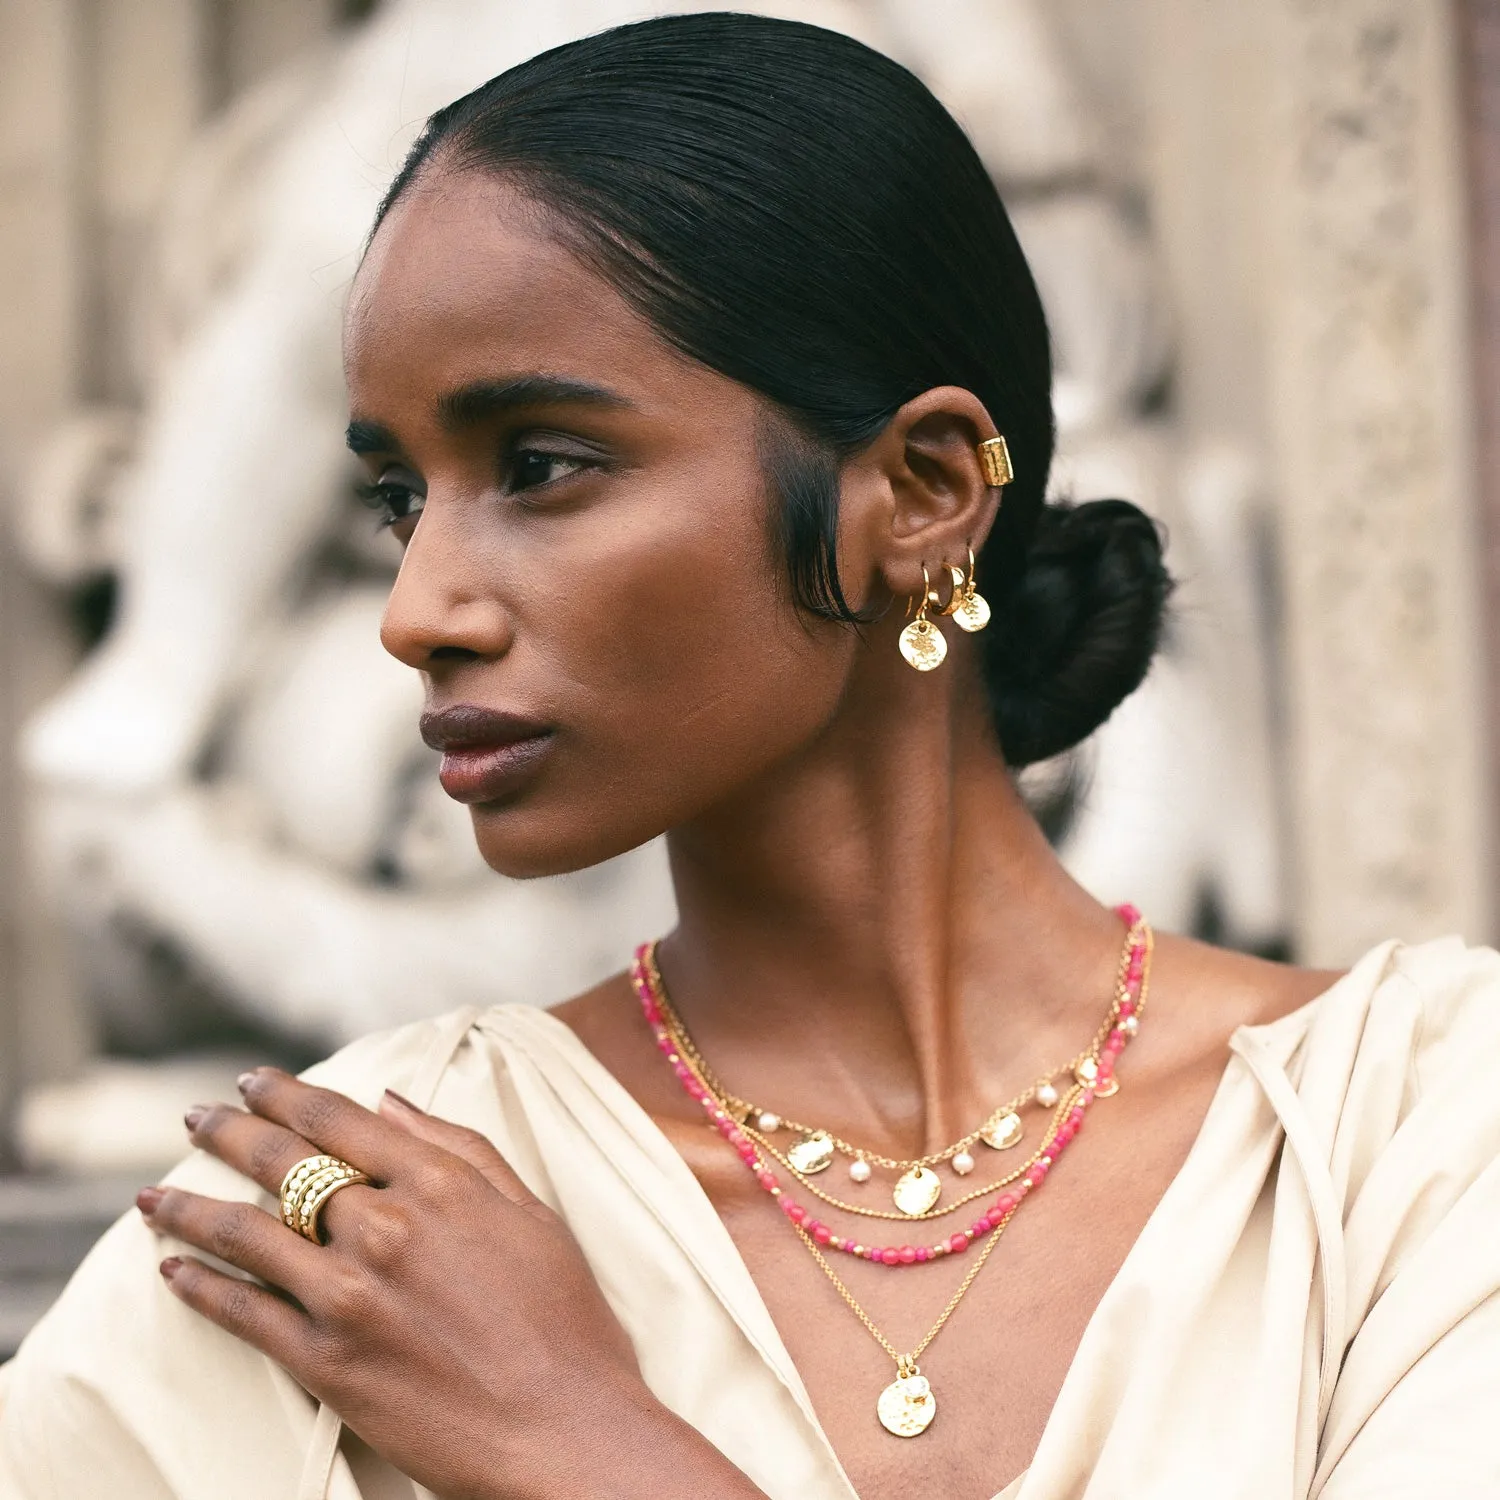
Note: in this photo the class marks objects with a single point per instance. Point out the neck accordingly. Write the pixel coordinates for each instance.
(877, 938)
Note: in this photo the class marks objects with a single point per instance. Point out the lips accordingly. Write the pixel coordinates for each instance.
(487, 755)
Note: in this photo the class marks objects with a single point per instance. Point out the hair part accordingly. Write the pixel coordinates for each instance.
(799, 213)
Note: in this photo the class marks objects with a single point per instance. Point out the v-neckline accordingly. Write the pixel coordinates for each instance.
(754, 1316)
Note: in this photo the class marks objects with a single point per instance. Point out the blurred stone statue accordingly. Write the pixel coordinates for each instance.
(235, 769)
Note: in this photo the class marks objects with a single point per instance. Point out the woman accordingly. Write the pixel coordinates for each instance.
(691, 363)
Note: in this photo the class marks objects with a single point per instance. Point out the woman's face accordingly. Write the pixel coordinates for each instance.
(589, 584)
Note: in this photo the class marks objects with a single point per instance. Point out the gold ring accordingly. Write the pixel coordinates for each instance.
(308, 1185)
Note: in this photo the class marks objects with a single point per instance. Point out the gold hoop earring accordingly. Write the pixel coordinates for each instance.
(955, 598)
(973, 612)
(922, 643)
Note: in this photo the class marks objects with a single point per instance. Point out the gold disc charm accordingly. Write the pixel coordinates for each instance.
(974, 613)
(922, 644)
(907, 1405)
(917, 1191)
(1003, 1131)
(812, 1153)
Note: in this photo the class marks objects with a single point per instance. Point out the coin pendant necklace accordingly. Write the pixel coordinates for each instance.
(906, 1407)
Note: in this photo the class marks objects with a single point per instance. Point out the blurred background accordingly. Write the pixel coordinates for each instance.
(1268, 238)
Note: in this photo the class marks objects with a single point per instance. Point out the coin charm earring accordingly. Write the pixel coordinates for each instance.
(973, 610)
(922, 643)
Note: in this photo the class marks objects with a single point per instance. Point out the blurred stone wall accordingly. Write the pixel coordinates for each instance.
(99, 102)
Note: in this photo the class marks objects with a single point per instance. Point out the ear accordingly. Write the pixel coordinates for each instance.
(926, 497)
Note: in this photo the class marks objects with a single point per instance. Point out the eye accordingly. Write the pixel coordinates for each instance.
(531, 467)
(392, 501)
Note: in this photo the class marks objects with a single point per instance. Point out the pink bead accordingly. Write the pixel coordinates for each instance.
(1005, 1205)
(907, 1255)
(979, 1227)
(957, 1243)
(665, 1043)
(890, 1256)
(1036, 1174)
(1127, 1008)
(822, 1234)
(835, 1243)
(923, 1253)
(766, 1181)
(794, 1211)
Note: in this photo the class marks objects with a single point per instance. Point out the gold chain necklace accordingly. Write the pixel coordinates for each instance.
(918, 1189)
(907, 1405)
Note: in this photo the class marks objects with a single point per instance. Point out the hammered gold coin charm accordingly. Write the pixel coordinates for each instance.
(917, 1191)
(973, 614)
(922, 644)
(812, 1153)
(907, 1405)
(1003, 1131)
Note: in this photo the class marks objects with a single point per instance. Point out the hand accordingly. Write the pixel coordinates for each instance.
(450, 1319)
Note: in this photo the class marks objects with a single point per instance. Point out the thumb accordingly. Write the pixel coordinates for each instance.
(460, 1141)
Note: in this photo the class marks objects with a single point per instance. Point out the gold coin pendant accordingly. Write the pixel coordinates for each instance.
(973, 614)
(1003, 1131)
(922, 644)
(812, 1153)
(907, 1406)
(917, 1191)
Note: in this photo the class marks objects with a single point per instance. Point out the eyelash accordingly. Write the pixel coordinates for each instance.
(393, 501)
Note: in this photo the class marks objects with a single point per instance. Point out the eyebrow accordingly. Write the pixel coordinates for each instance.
(483, 400)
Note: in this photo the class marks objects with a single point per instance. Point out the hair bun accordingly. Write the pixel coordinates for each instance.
(1077, 629)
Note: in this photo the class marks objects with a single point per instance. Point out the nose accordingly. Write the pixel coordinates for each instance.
(443, 606)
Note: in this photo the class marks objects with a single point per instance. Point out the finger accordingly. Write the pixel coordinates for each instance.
(259, 1317)
(258, 1149)
(239, 1233)
(328, 1121)
(468, 1145)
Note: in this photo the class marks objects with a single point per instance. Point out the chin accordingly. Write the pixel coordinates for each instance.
(523, 844)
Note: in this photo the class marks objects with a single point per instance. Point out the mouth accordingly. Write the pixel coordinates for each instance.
(487, 755)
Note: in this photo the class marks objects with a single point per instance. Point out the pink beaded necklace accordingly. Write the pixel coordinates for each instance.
(906, 1407)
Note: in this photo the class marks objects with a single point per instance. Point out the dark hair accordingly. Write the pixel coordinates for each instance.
(799, 213)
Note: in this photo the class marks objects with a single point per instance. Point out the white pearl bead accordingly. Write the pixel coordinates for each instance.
(1046, 1096)
(769, 1121)
(963, 1163)
(859, 1169)
(1130, 1026)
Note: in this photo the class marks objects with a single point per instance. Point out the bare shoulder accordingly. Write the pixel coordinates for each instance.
(1200, 995)
(607, 1020)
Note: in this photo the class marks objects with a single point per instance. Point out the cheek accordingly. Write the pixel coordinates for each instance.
(681, 672)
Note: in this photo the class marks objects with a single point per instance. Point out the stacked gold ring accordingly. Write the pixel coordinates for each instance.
(309, 1184)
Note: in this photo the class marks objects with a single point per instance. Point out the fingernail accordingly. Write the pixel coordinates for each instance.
(404, 1103)
(245, 1080)
(196, 1113)
(147, 1199)
(171, 1266)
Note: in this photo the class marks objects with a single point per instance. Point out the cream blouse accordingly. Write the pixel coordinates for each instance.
(1311, 1309)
